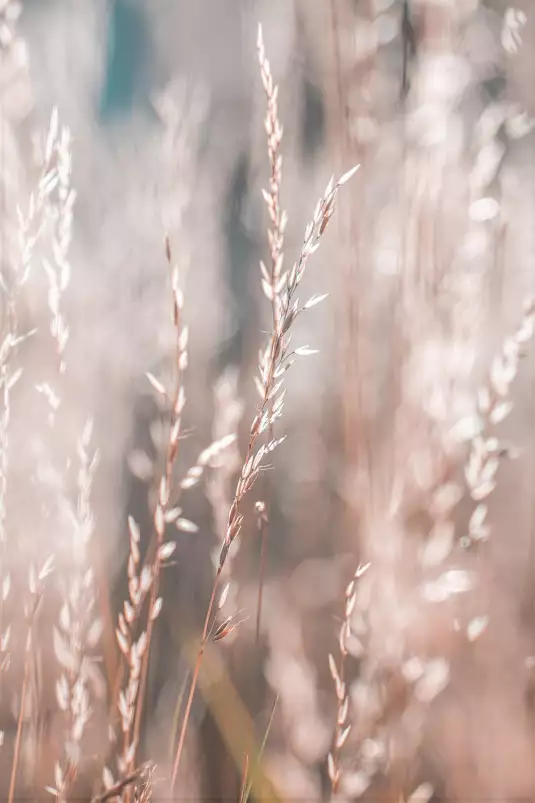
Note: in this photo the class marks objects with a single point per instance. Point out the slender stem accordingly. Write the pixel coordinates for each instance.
(16, 754)
(263, 548)
(194, 679)
(240, 492)
(161, 505)
(176, 717)
(245, 774)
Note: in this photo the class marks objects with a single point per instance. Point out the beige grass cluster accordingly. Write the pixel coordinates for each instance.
(410, 610)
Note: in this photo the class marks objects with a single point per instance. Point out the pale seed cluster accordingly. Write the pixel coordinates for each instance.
(342, 728)
(494, 405)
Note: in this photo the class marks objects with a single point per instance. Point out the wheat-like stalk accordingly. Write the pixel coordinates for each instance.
(13, 280)
(132, 647)
(493, 406)
(272, 279)
(60, 208)
(36, 585)
(227, 415)
(343, 728)
(78, 629)
(145, 584)
(143, 579)
(274, 362)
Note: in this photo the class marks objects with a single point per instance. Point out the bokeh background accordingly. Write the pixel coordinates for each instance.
(427, 262)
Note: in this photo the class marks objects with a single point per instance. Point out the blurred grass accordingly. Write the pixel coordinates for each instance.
(232, 718)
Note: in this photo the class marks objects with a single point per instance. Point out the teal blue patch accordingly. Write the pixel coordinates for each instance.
(125, 74)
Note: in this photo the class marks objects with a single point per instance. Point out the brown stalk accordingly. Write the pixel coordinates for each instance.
(36, 599)
(195, 678)
(16, 753)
